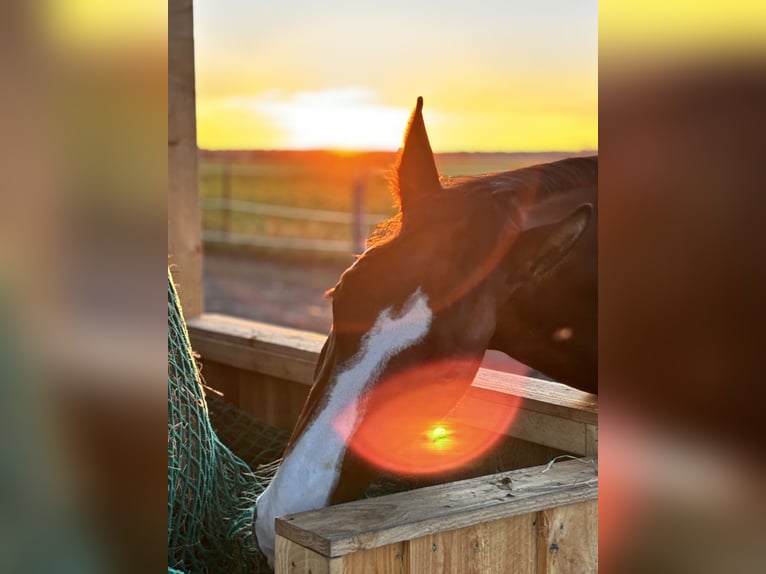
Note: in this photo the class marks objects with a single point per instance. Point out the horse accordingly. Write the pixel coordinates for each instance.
(505, 261)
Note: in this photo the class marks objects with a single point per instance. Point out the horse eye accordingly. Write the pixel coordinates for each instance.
(563, 334)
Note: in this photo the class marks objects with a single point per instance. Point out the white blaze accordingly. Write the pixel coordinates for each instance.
(308, 475)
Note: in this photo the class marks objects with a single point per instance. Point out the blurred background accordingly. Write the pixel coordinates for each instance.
(301, 107)
(83, 251)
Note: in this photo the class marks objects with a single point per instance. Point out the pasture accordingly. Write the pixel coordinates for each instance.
(320, 181)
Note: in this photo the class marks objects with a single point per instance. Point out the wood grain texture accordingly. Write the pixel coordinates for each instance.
(277, 402)
(250, 345)
(559, 540)
(568, 539)
(222, 378)
(541, 396)
(372, 523)
(184, 219)
(591, 440)
(553, 430)
(556, 432)
(498, 547)
(389, 559)
(291, 558)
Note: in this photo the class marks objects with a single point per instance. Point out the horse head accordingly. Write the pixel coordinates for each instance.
(505, 261)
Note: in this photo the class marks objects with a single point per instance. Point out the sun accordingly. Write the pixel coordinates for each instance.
(350, 119)
(345, 128)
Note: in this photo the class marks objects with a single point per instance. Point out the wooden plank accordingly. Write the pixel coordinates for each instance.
(591, 440)
(359, 525)
(568, 539)
(541, 396)
(248, 344)
(277, 351)
(184, 219)
(559, 540)
(237, 330)
(550, 414)
(291, 558)
(547, 430)
(255, 337)
(487, 548)
(556, 431)
(389, 559)
(275, 401)
(223, 378)
(516, 453)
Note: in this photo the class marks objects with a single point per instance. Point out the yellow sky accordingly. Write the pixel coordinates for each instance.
(500, 75)
(682, 28)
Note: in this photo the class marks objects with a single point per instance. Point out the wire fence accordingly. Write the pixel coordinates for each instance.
(255, 224)
(315, 202)
(359, 225)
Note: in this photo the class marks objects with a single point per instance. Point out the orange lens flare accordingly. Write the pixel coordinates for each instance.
(427, 420)
(439, 436)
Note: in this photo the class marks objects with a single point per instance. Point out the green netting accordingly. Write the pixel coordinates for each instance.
(251, 439)
(211, 491)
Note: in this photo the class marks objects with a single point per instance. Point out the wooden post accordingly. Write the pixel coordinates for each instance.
(184, 220)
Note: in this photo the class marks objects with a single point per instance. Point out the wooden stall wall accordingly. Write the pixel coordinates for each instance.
(275, 401)
(261, 369)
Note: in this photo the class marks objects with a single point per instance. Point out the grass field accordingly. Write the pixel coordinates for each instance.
(320, 180)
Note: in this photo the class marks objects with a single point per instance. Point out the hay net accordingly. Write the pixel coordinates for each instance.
(211, 490)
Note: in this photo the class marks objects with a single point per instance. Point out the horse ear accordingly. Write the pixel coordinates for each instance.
(416, 170)
(547, 244)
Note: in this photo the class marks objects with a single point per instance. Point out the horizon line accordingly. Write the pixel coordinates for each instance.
(363, 151)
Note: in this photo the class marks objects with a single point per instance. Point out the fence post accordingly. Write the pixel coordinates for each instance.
(358, 226)
(184, 224)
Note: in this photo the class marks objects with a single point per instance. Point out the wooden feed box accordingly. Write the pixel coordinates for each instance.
(533, 519)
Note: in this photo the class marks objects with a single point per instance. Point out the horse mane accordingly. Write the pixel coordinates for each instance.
(541, 180)
(385, 231)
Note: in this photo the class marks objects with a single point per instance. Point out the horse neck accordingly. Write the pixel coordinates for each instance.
(532, 323)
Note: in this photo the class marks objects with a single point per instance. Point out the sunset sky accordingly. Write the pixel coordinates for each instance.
(496, 75)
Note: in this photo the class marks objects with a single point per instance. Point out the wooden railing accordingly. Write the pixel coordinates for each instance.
(271, 359)
(539, 520)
